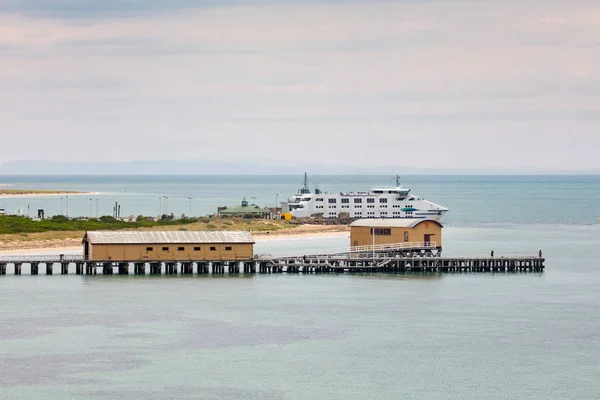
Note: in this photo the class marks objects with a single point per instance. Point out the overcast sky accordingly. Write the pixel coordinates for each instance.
(449, 83)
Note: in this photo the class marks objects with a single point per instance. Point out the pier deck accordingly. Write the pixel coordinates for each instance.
(305, 264)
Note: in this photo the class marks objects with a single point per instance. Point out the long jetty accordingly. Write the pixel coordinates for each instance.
(383, 259)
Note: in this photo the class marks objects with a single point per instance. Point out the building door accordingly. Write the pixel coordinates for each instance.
(427, 238)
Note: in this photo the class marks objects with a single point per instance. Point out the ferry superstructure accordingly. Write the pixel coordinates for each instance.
(383, 202)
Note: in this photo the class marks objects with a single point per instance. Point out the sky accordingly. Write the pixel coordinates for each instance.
(509, 85)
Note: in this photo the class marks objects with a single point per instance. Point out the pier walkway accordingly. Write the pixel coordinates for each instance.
(398, 258)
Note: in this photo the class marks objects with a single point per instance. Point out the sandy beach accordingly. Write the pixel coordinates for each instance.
(73, 244)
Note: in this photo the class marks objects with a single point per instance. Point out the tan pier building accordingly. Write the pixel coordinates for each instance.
(366, 232)
(168, 246)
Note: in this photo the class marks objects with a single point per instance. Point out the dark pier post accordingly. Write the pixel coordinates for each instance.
(79, 268)
(187, 268)
(216, 268)
(2, 268)
(249, 267)
(90, 268)
(107, 268)
(170, 268)
(18, 268)
(34, 268)
(64, 268)
(139, 268)
(123, 268)
(155, 268)
(201, 267)
(234, 267)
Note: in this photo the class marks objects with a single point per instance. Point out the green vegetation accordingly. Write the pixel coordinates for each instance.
(10, 224)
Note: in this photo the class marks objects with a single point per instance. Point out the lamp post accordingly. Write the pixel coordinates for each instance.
(61, 205)
(190, 214)
(166, 208)
(373, 235)
(90, 207)
(67, 206)
(276, 196)
(159, 207)
(97, 208)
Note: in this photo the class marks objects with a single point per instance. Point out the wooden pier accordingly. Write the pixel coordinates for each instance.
(384, 262)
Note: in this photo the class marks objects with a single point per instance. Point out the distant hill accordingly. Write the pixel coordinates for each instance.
(39, 167)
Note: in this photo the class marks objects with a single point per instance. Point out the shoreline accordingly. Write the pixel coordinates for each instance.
(42, 194)
(71, 244)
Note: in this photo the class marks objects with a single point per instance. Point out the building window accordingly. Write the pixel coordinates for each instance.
(181, 249)
(383, 200)
(381, 231)
(213, 249)
(370, 200)
(406, 236)
(149, 248)
(196, 248)
(332, 201)
(165, 249)
(345, 201)
(228, 248)
(357, 201)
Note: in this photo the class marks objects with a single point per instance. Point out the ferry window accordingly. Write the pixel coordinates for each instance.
(345, 201)
(383, 200)
(228, 248)
(370, 200)
(213, 249)
(358, 200)
(181, 249)
(149, 248)
(318, 199)
(196, 248)
(165, 249)
(332, 201)
(378, 191)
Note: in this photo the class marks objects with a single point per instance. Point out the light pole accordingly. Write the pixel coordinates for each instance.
(97, 208)
(276, 196)
(90, 207)
(61, 205)
(166, 208)
(159, 207)
(373, 234)
(190, 214)
(67, 206)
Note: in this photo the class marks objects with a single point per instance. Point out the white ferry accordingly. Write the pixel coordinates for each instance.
(385, 202)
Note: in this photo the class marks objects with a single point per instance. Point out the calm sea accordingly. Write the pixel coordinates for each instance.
(382, 336)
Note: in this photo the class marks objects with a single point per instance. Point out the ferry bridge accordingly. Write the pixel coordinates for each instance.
(396, 257)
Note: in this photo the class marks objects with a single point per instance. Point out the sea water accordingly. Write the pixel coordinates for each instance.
(363, 336)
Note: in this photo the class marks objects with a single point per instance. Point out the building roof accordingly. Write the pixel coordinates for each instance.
(148, 237)
(392, 222)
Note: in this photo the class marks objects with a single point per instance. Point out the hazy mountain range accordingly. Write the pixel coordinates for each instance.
(38, 167)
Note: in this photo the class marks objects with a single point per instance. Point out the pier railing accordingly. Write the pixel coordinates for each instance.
(368, 250)
(41, 258)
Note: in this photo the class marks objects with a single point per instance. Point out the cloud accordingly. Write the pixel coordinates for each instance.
(278, 70)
